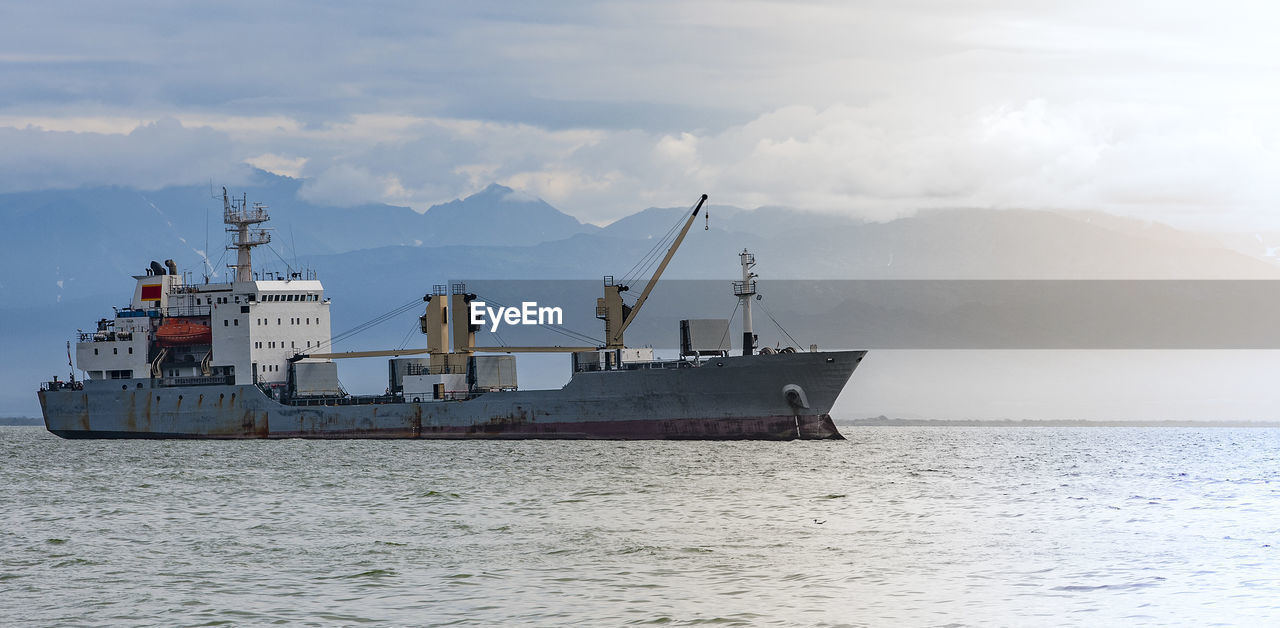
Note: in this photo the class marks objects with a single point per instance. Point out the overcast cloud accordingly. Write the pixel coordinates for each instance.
(1161, 110)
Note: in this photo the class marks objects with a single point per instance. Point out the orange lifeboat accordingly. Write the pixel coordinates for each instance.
(177, 332)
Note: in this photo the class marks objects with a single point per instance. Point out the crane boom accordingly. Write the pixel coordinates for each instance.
(391, 353)
(554, 349)
(661, 267)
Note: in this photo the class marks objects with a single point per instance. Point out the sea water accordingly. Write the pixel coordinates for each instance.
(895, 526)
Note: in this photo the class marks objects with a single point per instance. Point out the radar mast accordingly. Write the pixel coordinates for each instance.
(239, 216)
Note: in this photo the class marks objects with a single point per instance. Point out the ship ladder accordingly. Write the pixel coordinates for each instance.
(155, 364)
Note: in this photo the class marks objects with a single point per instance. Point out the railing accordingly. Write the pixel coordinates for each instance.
(348, 400)
(636, 366)
(137, 313)
(443, 369)
(235, 215)
(103, 336)
(364, 400)
(61, 385)
(192, 288)
(198, 380)
(253, 237)
(658, 364)
(190, 310)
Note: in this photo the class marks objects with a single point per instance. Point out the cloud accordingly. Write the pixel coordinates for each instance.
(876, 108)
(520, 196)
(150, 156)
(876, 161)
(278, 164)
(345, 185)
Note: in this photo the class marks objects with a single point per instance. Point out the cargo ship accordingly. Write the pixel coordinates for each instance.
(251, 358)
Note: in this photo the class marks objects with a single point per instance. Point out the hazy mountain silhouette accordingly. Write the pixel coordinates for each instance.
(499, 216)
(70, 253)
(954, 244)
(87, 241)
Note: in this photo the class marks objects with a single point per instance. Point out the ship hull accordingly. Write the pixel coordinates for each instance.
(737, 398)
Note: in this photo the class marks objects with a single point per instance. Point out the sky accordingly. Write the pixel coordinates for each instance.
(1159, 110)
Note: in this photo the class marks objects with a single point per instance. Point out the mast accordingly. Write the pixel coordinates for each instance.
(238, 217)
(744, 290)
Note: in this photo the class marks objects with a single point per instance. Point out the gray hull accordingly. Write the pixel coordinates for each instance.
(777, 397)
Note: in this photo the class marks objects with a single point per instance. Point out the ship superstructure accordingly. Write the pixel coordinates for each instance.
(251, 358)
(185, 333)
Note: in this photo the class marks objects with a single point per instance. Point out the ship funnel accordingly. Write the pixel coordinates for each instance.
(173, 268)
(156, 268)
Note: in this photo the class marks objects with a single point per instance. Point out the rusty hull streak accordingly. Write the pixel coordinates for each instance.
(84, 414)
(147, 409)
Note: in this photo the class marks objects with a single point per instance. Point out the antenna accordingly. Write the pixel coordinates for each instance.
(238, 217)
(293, 244)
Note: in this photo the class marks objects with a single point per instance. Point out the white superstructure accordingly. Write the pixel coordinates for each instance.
(242, 332)
(277, 319)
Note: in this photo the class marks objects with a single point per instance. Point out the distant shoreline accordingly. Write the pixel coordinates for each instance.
(20, 420)
(882, 421)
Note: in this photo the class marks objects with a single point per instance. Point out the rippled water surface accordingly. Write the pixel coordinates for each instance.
(919, 526)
